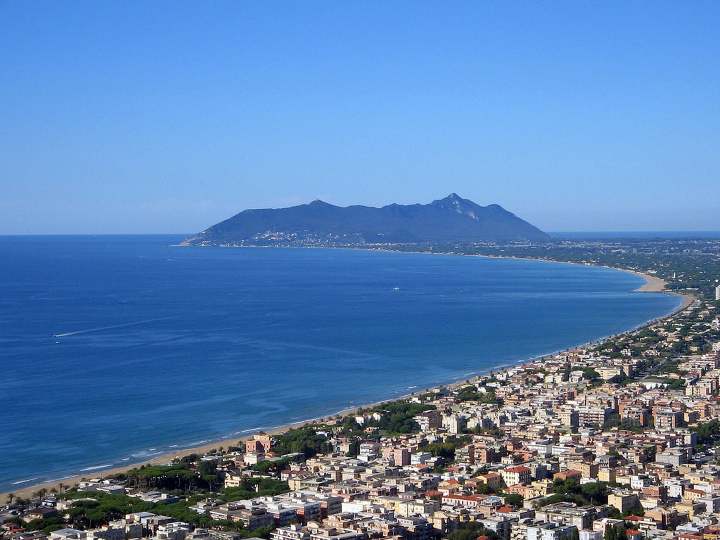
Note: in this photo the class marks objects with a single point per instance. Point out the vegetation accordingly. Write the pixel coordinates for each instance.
(95, 509)
(571, 490)
(397, 416)
(271, 467)
(616, 533)
(470, 531)
(179, 477)
(46, 525)
(254, 487)
(708, 432)
(447, 448)
(304, 440)
(513, 499)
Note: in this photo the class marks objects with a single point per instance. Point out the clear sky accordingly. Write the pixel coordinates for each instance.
(137, 116)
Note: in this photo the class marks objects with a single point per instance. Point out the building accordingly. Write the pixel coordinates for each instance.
(516, 475)
(260, 443)
(549, 531)
(570, 418)
(589, 416)
(623, 501)
(68, 534)
(428, 420)
(401, 457)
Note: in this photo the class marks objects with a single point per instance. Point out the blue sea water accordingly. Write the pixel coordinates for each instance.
(116, 348)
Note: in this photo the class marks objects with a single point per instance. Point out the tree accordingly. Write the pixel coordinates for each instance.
(354, 448)
(595, 492)
(708, 431)
(513, 499)
(470, 531)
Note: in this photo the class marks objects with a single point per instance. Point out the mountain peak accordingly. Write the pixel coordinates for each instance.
(449, 220)
(453, 197)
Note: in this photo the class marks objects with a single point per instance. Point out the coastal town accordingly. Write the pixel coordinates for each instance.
(371, 270)
(614, 440)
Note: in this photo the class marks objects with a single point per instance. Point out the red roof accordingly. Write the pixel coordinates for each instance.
(465, 497)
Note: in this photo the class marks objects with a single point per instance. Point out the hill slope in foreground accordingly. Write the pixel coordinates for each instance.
(452, 219)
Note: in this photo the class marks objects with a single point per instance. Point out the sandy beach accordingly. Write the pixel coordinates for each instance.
(656, 284)
(652, 284)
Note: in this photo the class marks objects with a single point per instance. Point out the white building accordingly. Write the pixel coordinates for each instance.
(591, 535)
(68, 534)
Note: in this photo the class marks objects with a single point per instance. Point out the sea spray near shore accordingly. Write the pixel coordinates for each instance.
(324, 327)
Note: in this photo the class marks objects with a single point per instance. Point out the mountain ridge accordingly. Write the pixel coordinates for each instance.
(451, 219)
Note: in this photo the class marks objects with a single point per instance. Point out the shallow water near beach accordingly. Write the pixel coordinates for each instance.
(118, 348)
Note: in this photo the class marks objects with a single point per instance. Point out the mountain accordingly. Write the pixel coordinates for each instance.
(452, 219)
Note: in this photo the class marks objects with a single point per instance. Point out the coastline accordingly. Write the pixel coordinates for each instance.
(652, 284)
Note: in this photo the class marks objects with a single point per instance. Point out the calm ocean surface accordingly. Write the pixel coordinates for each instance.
(117, 348)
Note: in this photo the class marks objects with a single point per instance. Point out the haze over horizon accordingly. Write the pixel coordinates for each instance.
(168, 117)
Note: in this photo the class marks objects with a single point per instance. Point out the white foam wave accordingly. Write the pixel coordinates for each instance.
(25, 481)
(96, 467)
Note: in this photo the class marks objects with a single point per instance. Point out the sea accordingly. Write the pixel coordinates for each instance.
(114, 349)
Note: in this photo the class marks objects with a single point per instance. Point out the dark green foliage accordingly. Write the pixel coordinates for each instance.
(708, 432)
(571, 490)
(616, 533)
(102, 508)
(304, 440)
(348, 426)
(595, 492)
(470, 531)
(471, 393)
(254, 487)
(675, 384)
(636, 510)
(271, 467)
(178, 477)
(468, 393)
(447, 448)
(99, 508)
(397, 416)
(354, 448)
(513, 499)
(47, 525)
(621, 379)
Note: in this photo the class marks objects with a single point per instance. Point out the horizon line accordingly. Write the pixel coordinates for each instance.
(559, 232)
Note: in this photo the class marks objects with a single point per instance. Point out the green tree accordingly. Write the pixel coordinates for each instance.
(513, 499)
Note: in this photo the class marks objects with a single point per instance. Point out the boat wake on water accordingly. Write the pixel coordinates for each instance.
(113, 327)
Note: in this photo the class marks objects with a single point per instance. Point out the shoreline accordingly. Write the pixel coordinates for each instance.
(652, 284)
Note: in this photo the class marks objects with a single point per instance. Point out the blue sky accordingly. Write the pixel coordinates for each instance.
(136, 117)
